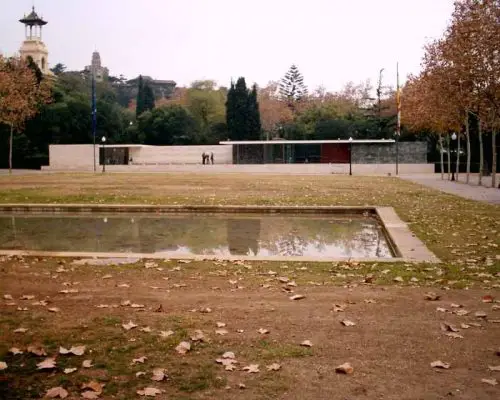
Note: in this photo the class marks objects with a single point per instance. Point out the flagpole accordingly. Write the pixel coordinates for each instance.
(398, 123)
(94, 115)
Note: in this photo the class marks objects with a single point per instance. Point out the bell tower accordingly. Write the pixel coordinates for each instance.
(33, 46)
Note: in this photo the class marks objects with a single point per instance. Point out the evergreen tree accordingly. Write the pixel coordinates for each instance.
(230, 117)
(254, 125)
(242, 112)
(292, 88)
(140, 106)
(148, 98)
(32, 65)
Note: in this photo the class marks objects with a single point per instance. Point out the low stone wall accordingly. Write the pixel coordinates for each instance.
(293, 169)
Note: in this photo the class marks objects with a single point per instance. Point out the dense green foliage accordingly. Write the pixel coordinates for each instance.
(242, 112)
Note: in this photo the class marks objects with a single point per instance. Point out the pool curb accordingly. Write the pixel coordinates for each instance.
(405, 245)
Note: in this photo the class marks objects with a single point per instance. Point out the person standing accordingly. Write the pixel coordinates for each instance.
(212, 158)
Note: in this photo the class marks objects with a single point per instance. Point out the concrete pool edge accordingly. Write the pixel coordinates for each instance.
(405, 245)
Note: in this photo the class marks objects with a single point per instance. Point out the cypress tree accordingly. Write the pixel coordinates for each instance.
(148, 97)
(139, 108)
(254, 125)
(230, 111)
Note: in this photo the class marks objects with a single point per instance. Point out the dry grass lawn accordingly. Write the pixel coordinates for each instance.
(398, 333)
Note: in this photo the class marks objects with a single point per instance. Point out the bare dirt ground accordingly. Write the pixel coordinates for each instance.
(397, 334)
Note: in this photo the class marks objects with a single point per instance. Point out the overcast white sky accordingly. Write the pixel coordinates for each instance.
(331, 41)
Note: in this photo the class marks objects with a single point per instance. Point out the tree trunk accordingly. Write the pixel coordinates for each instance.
(481, 152)
(467, 135)
(494, 160)
(10, 148)
(449, 156)
(442, 155)
(458, 156)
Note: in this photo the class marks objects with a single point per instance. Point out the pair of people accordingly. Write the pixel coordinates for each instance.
(207, 158)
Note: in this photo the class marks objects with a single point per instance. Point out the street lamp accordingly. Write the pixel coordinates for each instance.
(350, 156)
(103, 140)
(453, 138)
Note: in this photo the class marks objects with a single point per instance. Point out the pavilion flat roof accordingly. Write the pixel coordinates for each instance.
(307, 141)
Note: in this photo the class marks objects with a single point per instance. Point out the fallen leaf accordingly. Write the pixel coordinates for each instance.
(87, 364)
(166, 334)
(198, 336)
(15, 351)
(54, 309)
(221, 332)
(48, 363)
(8, 297)
(36, 350)
(159, 308)
(441, 309)
(370, 301)
(306, 343)
(130, 325)
(107, 276)
(494, 368)
(149, 391)
(297, 297)
(461, 312)
(228, 363)
(67, 291)
(135, 305)
(88, 394)
(398, 279)
(446, 327)
(205, 310)
(487, 299)
(263, 331)
(273, 367)
(492, 381)
(55, 392)
(431, 296)
(125, 303)
(339, 307)
(221, 324)
(440, 364)
(241, 386)
(480, 314)
(252, 368)
(454, 335)
(158, 374)
(3, 365)
(146, 329)
(345, 368)
(139, 360)
(347, 322)
(94, 386)
(124, 285)
(75, 350)
(21, 330)
(140, 373)
(27, 297)
(183, 347)
(228, 354)
(69, 370)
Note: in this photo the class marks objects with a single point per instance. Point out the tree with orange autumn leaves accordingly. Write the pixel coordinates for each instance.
(460, 78)
(20, 95)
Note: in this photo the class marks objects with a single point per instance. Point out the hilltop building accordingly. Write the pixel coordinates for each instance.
(95, 68)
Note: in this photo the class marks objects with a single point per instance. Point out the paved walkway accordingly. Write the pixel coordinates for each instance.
(471, 191)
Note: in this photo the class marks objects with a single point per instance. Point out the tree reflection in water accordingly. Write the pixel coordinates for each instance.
(208, 234)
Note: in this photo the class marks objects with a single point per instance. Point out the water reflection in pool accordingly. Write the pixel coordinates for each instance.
(207, 234)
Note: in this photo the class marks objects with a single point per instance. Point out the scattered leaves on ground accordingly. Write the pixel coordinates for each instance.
(56, 392)
(252, 368)
(183, 347)
(345, 368)
(440, 364)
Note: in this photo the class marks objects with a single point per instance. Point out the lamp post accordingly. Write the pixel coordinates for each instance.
(103, 140)
(453, 138)
(350, 156)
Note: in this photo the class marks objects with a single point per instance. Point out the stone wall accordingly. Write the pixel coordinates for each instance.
(409, 153)
(180, 154)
